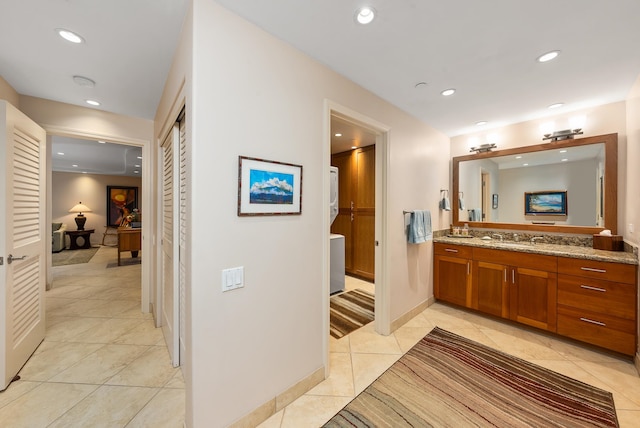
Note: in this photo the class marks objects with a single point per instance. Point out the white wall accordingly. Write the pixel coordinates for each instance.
(71, 188)
(633, 178)
(250, 94)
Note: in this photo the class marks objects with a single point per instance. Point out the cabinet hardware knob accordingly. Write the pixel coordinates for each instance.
(588, 269)
(588, 287)
(593, 322)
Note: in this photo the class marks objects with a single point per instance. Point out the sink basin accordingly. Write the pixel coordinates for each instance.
(513, 244)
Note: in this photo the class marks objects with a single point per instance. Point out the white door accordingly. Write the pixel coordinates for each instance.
(170, 241)
(183, 234)
(22, 243)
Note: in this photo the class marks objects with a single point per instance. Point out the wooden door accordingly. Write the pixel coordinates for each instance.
(364, 211)
(533, 297)
(356, 214)
(490, 292)
(452, 280)
(22, 240)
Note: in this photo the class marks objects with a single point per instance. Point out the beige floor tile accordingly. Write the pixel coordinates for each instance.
(523, 345)
(101, 365)
(151, 369)
(165, 410)
(312, 411)
(108, 406)
(274, 421)
(366, 340)
(629, 418)
(340, 380)
(339, 345)
(145, 333)
(108, 330)
(54, 358)
(15, 390)
(407, 337)
(621, 377)
(68, 328)
(368, 367)
(177, 381)
(113, 308)
(44, 404)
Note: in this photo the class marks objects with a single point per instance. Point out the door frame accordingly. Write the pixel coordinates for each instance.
(147, 174)
(382, 301)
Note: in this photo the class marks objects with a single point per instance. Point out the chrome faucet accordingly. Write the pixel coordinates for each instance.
(499, 236)
(536, 238)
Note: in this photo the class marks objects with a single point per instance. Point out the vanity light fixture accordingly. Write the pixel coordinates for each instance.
(565, 134)
(69, 35)
(365, 15)
(92, 102)
(448, 92)
(483, 148)
(548, 56)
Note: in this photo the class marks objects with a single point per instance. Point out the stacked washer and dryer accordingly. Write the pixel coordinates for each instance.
(336, 260)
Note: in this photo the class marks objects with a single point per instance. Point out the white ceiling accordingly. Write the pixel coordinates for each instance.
(484, 49)
(93, 157)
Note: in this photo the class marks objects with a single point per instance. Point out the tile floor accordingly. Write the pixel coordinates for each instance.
(102, 363)
(359, 358)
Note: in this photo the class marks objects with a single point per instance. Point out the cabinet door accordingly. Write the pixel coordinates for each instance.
(453, 280)
(490, 291)
(533, 297)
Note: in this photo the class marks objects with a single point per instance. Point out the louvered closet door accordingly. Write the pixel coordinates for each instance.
(22, 239)
(183, 233)
(170, 272)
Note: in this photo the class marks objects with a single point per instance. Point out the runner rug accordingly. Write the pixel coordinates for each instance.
(72, 257)
(447, 380)
(349, 311)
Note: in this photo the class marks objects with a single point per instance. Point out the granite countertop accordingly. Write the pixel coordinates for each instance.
(572, 251)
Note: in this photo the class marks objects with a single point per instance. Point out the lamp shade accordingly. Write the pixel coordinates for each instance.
(79, 208)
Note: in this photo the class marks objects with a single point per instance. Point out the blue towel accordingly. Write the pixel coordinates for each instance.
(419, 229)
(475, 215)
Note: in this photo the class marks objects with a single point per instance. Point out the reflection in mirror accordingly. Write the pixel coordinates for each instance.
(491, 186)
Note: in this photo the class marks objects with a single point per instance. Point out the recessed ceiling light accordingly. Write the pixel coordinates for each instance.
(518, 157)
(61, 154)
(75, 166)
(137, 166)
(84, 81)
(92, 102)
(564, 160)
(338, 134)
(548, 56)
(354, 147)
(84, 172)
(136, 172)
(365, 15)
(481, 123)
(556, 105)
(525, 164)
(420, 85)
(102, 142)
(563, 151)
(448, 92)
(69, 36)
(139, 157)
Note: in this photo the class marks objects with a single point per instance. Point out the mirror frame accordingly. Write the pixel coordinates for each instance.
(610, 186)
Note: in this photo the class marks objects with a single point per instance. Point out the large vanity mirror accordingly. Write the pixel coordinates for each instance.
(567, 186)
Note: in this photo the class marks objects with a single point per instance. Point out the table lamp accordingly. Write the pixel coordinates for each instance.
(80, 218)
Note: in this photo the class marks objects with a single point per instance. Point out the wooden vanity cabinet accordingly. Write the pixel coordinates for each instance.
(597, 303)
(452, 273)
(515, 285)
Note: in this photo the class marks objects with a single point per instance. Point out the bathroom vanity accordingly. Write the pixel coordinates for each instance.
(578, 292)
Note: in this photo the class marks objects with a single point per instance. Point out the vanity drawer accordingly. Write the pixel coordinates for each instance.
(617, 272)
(461, 251)
(612, 298)
(603, 330)
(515, 258)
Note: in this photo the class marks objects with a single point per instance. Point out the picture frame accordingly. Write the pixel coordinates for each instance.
(494, 201)
(550, 202)
(121, 201)
(267, 187)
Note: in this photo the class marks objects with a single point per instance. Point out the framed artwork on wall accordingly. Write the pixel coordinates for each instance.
(550, 202)
(121, 201)
(268, 187)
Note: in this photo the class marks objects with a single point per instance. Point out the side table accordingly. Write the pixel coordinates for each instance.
(84, 234)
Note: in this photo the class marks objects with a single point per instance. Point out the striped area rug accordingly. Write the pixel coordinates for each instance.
(349, 311)
(449, 381)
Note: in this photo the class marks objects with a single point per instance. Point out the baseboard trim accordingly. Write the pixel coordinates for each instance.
(636, 361)
(402, 320)
(273, 406)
